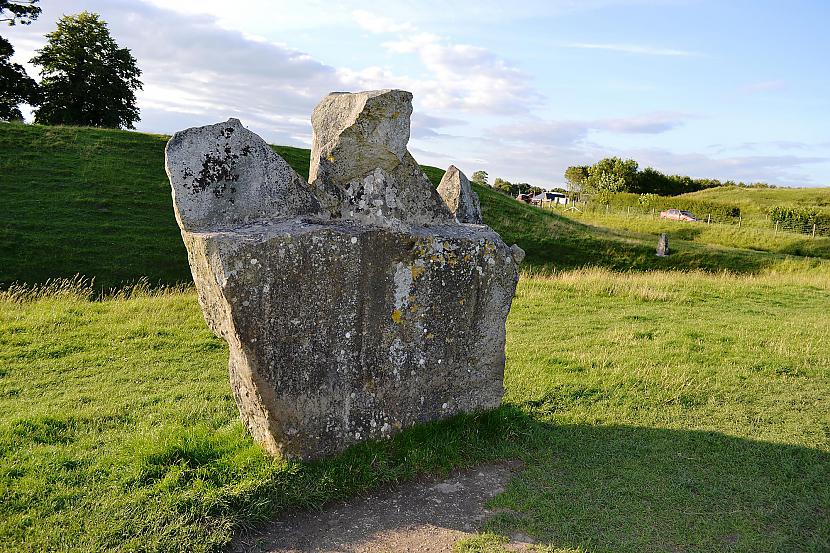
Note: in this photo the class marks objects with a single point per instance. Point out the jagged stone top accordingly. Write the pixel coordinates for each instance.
(360, 166)
(224, 175)
(355, 133)
(457, 193)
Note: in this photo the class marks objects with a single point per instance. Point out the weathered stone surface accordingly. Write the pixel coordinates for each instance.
(663, 245)
(350, 322)
(360, 164)
(224, 175)
(457, 193)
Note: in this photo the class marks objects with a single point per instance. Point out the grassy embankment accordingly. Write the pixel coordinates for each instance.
(659, 411)
(97, 203)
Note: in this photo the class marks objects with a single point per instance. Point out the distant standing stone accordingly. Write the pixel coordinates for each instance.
(663, 245)
(457, 193)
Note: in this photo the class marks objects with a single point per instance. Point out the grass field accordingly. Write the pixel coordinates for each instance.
(728, 235)
(678, 404)
(755, 201)
(654, 412)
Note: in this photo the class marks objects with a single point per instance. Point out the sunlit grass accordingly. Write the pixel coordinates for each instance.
(659, 410)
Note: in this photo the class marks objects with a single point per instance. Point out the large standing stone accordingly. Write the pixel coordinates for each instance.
(352, 320)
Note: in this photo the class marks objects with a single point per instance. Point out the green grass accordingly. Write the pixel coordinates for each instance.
(660, 411)
(682, 408)
(733, 236)
(97, 203)
(555, 241)
(755, 201)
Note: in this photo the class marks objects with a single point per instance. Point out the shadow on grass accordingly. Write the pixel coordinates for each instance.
(602, 488)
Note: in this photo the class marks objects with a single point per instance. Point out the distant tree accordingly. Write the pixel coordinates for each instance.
(576, 176)
(652, 181)
(521, 188)
(480, 177)
(16, 87)
(19, 11)
(612, 174)
(535, 190)
(504, 186)
(87, 79)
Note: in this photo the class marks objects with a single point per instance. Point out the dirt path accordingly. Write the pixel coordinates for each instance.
(424, 515)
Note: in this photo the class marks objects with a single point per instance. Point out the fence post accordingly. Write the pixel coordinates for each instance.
(607, 207)
(628, 210)
(814, 230)
(709, 219)
(776, 227)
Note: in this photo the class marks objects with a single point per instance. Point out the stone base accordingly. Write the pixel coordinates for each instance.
(354, 332)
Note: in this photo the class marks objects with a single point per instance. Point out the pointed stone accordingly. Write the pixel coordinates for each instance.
(353, 136)
(457, 193)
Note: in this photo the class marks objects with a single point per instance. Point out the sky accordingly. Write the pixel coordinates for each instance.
(726, 89)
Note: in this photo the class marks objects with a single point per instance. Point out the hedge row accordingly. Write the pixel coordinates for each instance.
(799, 216)
(701, 208)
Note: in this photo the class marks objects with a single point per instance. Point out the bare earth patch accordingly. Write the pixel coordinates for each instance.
(423, 515)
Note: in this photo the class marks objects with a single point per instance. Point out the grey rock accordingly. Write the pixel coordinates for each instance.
(663, 245)
(347, 316)
(354, 136)
(355, 133)
(225, 175)
(518, 253)
(457, 193)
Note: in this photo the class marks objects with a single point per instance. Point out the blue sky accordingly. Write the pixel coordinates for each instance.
(730, 89)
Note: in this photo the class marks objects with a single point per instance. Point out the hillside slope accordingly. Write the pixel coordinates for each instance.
(755, 201)
(97, 203)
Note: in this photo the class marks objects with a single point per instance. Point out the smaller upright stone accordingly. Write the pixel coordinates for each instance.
(663, 245)
(224, 175)
(457, 193)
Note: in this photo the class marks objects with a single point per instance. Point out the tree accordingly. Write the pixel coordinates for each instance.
(521, 188)
(576, 177)
(480, 177)
(18, 11)
(612, 174)
(652, 181)
(87, 79)
(16, 87)
(504, 186)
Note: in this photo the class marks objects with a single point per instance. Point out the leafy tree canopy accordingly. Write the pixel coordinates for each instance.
(18, 11)
(87, 79)
(480, 177)
(16, 87)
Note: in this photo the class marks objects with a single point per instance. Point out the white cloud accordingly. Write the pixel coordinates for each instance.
(456, 76)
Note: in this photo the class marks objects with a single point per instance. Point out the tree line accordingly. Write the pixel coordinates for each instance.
(86, 78)
(505, 186)
(614, 174)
